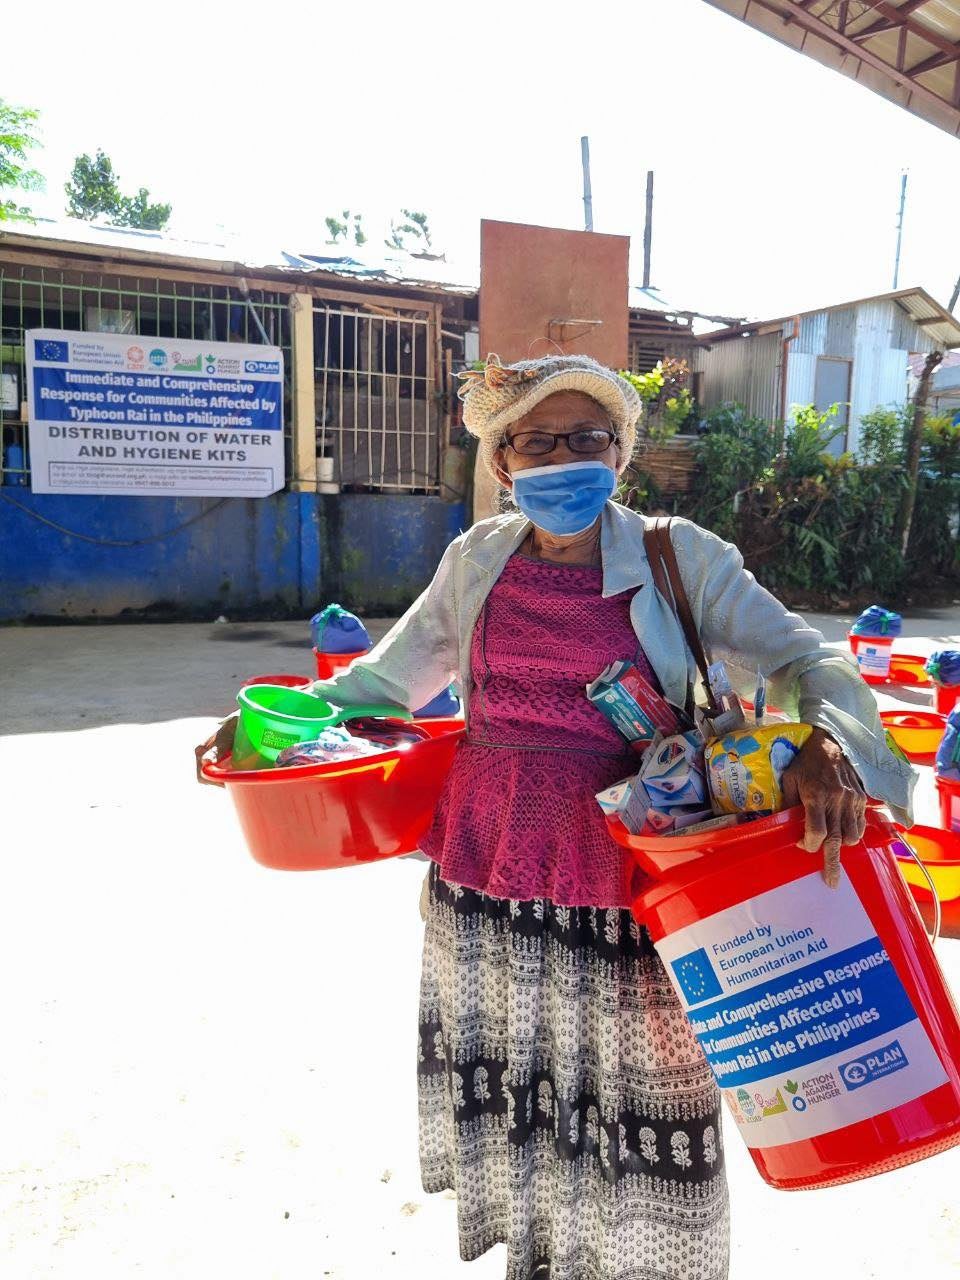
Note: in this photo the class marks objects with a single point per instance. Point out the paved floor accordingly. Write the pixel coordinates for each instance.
(208, 1066)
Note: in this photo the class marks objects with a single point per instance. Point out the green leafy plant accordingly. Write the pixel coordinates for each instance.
(810, 521)
(667, 400)
(94, 190)
(17, 139)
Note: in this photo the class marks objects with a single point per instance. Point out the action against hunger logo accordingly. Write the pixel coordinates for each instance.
(696, 977)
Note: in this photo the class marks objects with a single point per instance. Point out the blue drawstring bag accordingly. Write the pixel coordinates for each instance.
(943, 666)
(877, 621)
(336, 630)
(446, 703)
(948, 753)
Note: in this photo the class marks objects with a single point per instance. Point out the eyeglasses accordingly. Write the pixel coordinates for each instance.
(533, 444)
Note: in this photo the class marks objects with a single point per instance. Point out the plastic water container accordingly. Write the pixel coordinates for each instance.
(822, 1012)
(328, 664)
(873, 655)
(943, 668)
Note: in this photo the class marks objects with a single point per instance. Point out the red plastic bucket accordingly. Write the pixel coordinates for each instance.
(949, 793)
(328, 664)
(873, 655)
(822, 1012)
(945, 697)
(317, 817)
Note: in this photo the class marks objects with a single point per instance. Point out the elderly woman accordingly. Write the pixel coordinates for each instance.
(561, 1092)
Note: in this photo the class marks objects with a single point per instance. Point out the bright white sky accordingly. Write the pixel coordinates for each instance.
(777, 180)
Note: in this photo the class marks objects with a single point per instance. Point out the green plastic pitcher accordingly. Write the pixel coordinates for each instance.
(273, 718)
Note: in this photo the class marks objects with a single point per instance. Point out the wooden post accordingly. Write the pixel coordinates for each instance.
(648, 231)
(304, 398)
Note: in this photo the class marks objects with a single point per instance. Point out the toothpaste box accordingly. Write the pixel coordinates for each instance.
(631, 703)
(628, 801)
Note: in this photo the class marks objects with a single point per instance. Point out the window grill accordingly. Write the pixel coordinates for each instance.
(377, 413)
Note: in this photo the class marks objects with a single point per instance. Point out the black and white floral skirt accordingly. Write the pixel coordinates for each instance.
(562, 1095)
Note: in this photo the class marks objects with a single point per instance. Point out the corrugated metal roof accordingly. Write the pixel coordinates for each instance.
(924, 310)
(364, 263)
(393, 268)
(905, 50)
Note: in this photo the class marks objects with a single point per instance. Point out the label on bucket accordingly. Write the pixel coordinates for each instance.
(875, 659)
(800, 1012)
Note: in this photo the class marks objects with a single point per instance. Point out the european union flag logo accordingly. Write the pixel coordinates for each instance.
(48, 349)
(696, 977)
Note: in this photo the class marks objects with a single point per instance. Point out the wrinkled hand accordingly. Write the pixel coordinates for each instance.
(217, 746)
(835, 805)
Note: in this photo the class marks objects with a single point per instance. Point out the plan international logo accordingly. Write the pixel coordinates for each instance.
(695, 976)
(261, 366)
(873, 1066)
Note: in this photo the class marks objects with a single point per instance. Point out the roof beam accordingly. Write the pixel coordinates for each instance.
(790, 11)
(889, 24)
(935, 60)
(901, 18)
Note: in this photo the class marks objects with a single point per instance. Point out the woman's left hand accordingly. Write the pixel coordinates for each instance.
(824, 781)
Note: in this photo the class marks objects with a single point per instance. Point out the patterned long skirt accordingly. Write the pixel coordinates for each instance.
(562, 1095)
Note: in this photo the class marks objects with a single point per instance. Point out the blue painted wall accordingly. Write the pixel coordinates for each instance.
(378, 558)
(276, 556)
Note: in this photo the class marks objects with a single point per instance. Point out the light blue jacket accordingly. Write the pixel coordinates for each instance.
(738, 620)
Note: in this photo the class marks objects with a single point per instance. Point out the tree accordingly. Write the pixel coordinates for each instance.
(416, 225)
(94, 189)
(16, 140)
(913, 443)
(341, 228)
(137, 211)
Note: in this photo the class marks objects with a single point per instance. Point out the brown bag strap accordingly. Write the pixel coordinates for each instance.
(667, 579)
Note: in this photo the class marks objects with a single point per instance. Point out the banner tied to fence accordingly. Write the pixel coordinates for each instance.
(130, 414)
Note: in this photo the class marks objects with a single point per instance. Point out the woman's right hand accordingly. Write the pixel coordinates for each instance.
(216, 747)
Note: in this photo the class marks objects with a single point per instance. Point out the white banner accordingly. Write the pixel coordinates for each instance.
(128, 414)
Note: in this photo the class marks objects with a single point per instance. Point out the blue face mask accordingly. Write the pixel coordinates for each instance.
(566, 497)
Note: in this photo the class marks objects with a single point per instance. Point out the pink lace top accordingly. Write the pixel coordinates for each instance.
(517, 817)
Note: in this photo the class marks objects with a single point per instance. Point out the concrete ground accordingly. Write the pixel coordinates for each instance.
(208, 1067)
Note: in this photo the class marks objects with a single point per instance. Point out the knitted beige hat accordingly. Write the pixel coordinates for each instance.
(497, 395)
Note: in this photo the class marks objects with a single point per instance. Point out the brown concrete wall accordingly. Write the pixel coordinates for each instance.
(530, 276)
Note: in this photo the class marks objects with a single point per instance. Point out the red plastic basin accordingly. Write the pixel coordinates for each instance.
(318, 817)
(939, 851)
(916, 733)
(287, 681)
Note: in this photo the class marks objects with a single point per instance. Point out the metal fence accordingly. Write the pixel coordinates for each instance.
(378, 417)
(40, 297)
